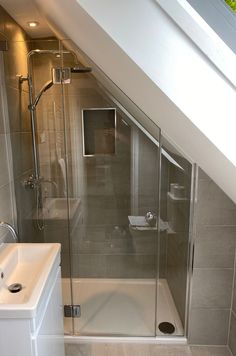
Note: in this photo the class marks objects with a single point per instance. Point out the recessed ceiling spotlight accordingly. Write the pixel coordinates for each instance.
(33, 24)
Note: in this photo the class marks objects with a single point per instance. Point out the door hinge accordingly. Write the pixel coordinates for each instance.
(72, 311)
(61, 75)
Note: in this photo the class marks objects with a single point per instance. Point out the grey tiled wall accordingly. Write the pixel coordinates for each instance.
(105, 249)
(232, 329)
(213, 269)
(10, 120)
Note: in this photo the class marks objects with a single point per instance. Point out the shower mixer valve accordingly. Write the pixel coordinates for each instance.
(32, 183)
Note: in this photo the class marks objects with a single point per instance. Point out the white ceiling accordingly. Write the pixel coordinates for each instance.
(24, 11)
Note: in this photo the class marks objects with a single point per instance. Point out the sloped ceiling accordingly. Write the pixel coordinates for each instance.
(156, 64)
(148, 56)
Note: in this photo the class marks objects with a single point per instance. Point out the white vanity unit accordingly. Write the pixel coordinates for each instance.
(31, 313)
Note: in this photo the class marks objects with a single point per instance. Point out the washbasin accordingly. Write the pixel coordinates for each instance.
(57, 208)
(29, 266)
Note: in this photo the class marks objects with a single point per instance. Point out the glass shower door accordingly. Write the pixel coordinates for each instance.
(113, 202)
(175, 202)
(50, 216)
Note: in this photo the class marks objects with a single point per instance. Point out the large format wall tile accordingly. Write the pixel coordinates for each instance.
(18, 110)
(214, 247)
(232, 334)
(209, 326)
(131, 266)
(2, 124)
(22, 152)
(6, 203)
(212, 288)
(90, 265)
(213, 268)
(213, 206)
(11, 29)
(15, 63)
(4, 171)
(234, 296)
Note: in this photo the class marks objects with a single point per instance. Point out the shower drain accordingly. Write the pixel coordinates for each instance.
(15, 287)
(166, 328)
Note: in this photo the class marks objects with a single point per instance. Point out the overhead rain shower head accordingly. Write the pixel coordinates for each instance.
(63, 75)
(59, 75)
(81, 70)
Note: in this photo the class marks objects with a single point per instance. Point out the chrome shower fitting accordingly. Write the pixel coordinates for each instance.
(63, 75)
(151, 218)
(59, 76)
(32, 182)
(11, 229)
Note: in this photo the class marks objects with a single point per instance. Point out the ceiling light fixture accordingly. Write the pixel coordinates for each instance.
(33, 24)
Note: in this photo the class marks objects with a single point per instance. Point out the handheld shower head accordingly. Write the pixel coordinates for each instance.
(46, 86)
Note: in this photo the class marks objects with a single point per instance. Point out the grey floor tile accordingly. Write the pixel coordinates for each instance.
(91, 349)
(210, 351)
(138, 349)
(164, 350)
(120, 350)
(127, 349)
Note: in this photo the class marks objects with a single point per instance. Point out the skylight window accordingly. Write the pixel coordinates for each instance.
(232, 4)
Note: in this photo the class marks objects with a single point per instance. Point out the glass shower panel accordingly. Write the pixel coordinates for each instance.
(175, 200)
(52, 220)
(113, 184)
(15, 63)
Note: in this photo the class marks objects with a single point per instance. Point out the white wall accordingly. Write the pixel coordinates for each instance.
(153, 61)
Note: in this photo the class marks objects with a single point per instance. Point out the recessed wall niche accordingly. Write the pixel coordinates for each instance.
(99, 131)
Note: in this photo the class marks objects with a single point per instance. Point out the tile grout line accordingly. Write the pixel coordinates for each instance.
(230, 352)
(232, 294)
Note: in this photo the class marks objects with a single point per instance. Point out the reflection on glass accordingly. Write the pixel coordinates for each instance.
(126, 257)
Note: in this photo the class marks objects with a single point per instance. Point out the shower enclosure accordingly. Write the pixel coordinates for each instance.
(116, 195)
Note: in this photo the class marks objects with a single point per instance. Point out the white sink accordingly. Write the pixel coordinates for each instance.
(30, 265)
(57, 208)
